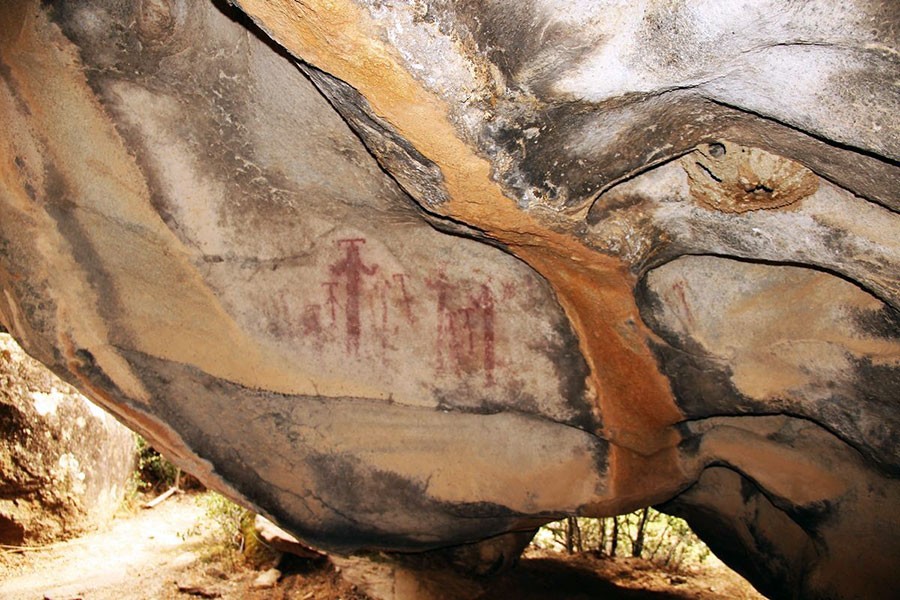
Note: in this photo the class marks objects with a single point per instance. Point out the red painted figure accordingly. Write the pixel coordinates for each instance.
(332, 299)
(353, 269)
(440, 285)
(405, 298)
(465, 334)
(484, 302)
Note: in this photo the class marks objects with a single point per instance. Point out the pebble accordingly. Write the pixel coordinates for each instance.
(267, 579)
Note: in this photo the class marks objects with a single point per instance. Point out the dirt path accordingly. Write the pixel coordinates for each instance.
(140, 554)
(586, 578)
(158, 554)
(162, 554)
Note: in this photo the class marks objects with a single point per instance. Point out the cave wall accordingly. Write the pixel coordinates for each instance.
(409, 275)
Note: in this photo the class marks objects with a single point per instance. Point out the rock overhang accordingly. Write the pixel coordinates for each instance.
(328, 325)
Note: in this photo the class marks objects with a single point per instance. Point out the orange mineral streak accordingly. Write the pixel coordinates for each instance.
(596, 291)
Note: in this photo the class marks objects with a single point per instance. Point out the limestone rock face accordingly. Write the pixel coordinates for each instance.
(64, 463)
(405, 276)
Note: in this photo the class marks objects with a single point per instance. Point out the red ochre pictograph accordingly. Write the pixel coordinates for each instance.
(352, 269)
(370, 311)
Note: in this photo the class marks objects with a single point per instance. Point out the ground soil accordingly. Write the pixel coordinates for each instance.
(584, 577)
(163, 554)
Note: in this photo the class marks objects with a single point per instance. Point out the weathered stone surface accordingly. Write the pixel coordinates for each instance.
(470, 266)
(279, 540)
(64, 463)
(456, 572)
(730, 178)
(358, 361)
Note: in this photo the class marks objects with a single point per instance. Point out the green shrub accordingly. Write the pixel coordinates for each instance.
(154, 472)
(661, 538)
(231, 533)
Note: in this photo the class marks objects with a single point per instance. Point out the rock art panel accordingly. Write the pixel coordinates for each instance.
(321, 318)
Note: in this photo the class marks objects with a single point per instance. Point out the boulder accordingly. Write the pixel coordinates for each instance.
(65, 464)
(412, 277)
